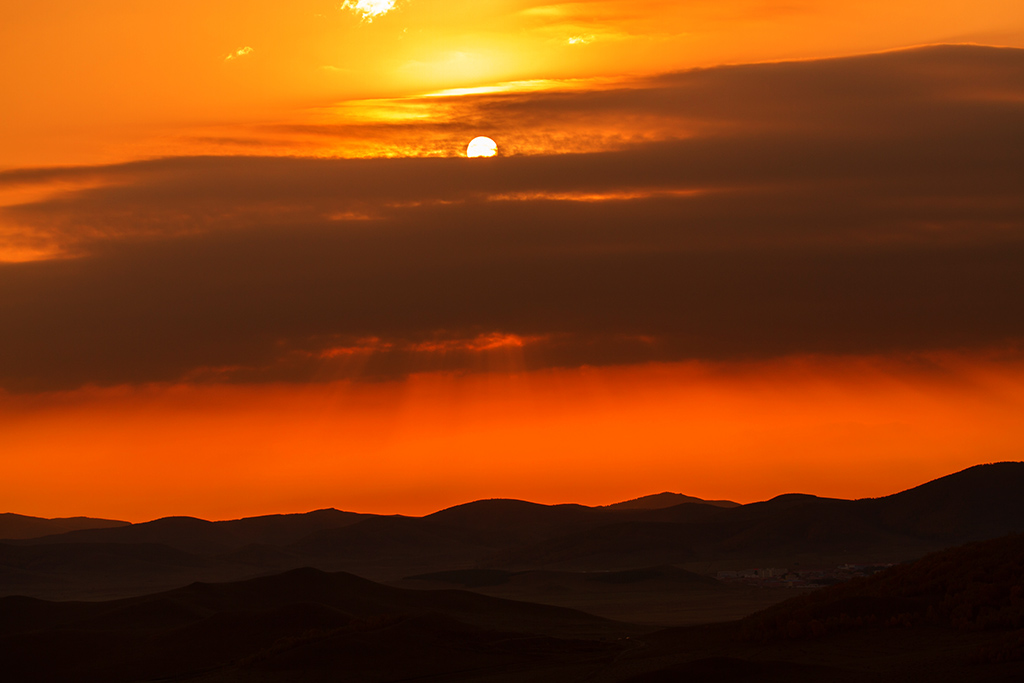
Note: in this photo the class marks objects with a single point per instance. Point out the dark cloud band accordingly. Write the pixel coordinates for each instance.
(896, 224)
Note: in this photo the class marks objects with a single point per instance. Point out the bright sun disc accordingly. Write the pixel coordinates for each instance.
(481, 147)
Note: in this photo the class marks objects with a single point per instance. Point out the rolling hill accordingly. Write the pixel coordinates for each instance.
(517, 536)
(13, 526)
(955, 616)
(303, 622)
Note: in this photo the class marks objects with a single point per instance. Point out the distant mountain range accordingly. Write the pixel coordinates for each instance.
(107, 559)
(279, 528)
(14, 526)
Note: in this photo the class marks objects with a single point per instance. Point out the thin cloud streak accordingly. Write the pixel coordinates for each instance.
(240, 52)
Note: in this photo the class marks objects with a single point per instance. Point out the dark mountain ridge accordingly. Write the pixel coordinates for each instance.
(665, 499)
(978, 503)
(981, 502)
(14, 526)
(192, 534)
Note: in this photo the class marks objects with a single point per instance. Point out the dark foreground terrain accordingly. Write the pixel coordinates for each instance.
(957, 615)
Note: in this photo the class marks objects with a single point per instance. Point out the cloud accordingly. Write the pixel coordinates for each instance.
(240, 52)
(369, 9)
(600, 115)
(867, 205)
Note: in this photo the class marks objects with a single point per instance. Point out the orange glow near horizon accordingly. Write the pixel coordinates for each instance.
(843, 427)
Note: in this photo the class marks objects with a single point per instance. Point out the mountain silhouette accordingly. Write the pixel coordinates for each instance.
(13, 526)
(981, 502)
(191, 534)
(666, 499)
(519, 536)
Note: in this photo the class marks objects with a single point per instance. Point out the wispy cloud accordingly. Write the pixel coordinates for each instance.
(240, 52)
(368, 10)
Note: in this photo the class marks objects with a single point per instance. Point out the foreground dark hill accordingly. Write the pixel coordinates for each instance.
(955, 616)
(980, 502)
(303, 621)
(348, 594)
(977, 587)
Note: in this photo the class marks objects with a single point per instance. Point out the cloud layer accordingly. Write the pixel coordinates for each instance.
(867, 205)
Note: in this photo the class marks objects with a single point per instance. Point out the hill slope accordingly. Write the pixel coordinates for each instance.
(303, 620)
(666, 499)
(13, 526)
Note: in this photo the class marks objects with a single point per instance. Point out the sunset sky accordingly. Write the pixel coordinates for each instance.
(732, 249)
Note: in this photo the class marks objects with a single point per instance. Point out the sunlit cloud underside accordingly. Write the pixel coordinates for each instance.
(369, 9)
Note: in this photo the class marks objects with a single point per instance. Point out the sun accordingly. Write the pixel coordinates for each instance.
(482, 147)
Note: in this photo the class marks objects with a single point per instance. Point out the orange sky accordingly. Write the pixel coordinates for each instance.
(117, 79)
(838, 427)
(242, 271)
